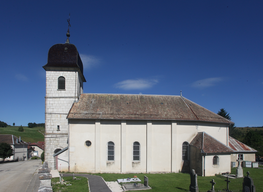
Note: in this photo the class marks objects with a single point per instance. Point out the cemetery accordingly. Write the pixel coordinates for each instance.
(168, 182)
(178, 182)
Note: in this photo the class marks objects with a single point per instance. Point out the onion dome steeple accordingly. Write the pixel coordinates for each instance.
(64, 57)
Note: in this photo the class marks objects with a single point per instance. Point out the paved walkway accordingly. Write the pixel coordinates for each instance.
(96, 183)
(19, 176)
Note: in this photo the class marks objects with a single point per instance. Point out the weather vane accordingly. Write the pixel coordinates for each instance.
(68, 34)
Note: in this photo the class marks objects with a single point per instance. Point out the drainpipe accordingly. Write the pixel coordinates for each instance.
(204, 165)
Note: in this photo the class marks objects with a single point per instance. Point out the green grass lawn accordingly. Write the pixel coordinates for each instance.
(79, 184)
(29, 135)
(172, 182)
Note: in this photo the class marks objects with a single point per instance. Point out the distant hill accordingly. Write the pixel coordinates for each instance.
(260, 128)
(29, 135)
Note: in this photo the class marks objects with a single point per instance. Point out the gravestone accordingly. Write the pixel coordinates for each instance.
(239, 171)
(193, 186)
(61, 179)
(248, 184)
(146, 181)
(213, 186)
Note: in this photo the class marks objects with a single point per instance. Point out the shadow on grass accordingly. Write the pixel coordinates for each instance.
(181, 189)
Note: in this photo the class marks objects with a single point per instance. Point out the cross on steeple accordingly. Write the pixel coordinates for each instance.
(68, 34)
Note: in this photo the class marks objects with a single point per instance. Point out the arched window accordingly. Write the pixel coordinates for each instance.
(57, 150)
(185, 151)
(136, 151)
(110, 151)
(61, 82)
(215, 160)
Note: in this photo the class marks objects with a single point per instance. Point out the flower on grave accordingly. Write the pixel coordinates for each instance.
(134, 176)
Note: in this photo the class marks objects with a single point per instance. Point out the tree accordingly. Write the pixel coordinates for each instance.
(222, 112)
(5, 150)
(32, 125)
(43, 156)
(252, 139)
(21, 129)
(3, 124)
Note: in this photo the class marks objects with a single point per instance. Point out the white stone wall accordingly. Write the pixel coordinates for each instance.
(53, 142)
(81, 157)
(58, 104)
(223, 166)
(160, 145)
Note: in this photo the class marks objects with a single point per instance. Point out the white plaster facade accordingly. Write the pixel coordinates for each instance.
(160, 146)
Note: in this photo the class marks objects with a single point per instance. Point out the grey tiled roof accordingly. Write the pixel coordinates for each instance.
(141, 107)
(10, 139)
(6, 138)
(239, 146)
(209, 145)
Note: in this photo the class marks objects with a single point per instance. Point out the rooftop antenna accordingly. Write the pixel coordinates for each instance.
(68, 34)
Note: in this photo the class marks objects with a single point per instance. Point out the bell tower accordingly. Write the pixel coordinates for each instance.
(64, 85)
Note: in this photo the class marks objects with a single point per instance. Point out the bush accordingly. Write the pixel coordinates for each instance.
(21, 129)
(35, 157)
(43, 156)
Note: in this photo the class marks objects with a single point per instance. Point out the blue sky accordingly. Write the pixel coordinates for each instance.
(211, 50)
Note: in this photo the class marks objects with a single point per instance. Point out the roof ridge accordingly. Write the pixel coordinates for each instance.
(128, 94)
(189, 107)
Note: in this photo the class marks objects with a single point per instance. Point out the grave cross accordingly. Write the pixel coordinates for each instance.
(213, 187)
(248, 174)
(227, 183)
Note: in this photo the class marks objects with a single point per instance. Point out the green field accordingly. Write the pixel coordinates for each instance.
(29, 135)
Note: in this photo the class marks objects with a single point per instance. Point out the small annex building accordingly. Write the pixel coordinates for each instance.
(242, 151)
(117, 133)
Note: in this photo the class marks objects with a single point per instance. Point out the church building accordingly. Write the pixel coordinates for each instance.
(122, 133)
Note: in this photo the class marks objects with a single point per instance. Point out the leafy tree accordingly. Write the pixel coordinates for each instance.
(21, 129)
(252, 139)
(222, 112)
(14, 124)
(5, 150)
(32, 125)
(3, 124)
(43, 156)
